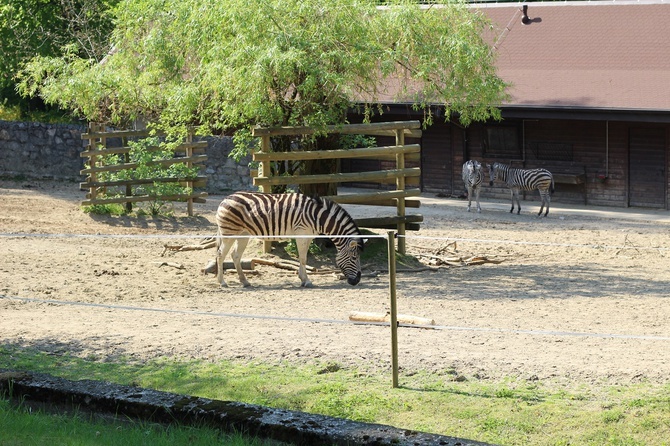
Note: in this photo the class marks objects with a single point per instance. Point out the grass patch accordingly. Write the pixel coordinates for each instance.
(25, 426)
(509, 412)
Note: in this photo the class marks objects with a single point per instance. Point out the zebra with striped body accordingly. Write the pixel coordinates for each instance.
(524, 179)
(473, 177)
(281, 215)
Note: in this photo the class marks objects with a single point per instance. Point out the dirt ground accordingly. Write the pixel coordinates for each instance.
(578, 296)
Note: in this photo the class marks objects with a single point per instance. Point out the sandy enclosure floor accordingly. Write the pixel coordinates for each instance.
(577, 297)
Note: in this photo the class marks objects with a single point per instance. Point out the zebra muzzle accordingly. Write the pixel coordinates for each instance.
(354, 280)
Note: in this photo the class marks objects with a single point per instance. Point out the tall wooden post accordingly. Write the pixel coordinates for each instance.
(129, 187)
(189, 164)
(400, 185)
(92, 147)
(264, 171)
(394, 308)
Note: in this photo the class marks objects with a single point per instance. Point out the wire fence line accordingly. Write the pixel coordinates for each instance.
(365, 236)
(557, 333)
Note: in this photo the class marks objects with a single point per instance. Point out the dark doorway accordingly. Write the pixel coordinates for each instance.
(646, 187)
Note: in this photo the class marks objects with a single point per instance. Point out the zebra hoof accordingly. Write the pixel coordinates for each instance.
(307, 284)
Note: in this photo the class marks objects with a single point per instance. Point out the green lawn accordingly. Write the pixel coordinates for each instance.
(507, 412)
(21, 426)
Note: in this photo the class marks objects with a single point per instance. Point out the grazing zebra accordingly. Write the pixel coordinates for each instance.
(473, 177)
(524, 179)
(251, 213)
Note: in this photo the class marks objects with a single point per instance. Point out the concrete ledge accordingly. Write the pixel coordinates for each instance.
(284, 425)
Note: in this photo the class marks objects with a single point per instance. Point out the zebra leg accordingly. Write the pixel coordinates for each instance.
(546, 197)
(548, 202)
(515, 195)
(222, 249)
(303, 249)
(237, 260)
(511, 191)
(469, 197)
(477, 190)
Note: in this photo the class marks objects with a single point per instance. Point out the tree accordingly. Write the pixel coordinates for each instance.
(45, 28)
(223, 67)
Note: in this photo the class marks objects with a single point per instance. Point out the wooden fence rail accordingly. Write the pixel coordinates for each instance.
(401, 175)
(97, 149)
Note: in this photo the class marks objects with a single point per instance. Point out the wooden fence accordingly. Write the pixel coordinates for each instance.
(189, 153)
(402, 176)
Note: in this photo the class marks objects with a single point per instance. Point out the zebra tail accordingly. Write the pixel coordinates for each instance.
(551, 191)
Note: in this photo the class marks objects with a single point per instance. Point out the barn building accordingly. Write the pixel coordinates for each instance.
(590, 101)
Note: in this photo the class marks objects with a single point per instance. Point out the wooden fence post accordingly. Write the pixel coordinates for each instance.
(400, 185)
(189, 164)
(129, 187)
(92, 146)
(394, 308)
(264, 170)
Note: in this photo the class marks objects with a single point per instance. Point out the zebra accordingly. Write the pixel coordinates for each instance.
(473, 177)
(254, 213)
(524, 179)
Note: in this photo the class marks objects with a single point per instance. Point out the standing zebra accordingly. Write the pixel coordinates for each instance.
(251, 213)
(524, 179)
(473, 177)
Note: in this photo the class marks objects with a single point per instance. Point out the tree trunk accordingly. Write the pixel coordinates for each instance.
(327, 166)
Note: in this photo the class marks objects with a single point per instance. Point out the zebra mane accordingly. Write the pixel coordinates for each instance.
(329, 205)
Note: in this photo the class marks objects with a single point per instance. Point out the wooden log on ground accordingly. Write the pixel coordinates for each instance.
(210, 268)
(363, 316)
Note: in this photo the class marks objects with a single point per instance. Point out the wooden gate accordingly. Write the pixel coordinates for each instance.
(646, 187)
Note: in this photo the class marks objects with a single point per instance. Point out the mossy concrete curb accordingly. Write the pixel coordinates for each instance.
(284, 425)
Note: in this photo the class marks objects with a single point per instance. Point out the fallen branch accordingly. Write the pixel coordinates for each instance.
(434, 260)
(207, 243)
(250, 264)
(171, 264)
(281, 264)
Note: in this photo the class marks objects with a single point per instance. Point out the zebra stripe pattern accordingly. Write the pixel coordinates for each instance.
(473, 177)
(282, 215)
(524, 179)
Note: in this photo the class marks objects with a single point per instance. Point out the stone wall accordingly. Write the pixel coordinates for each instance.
(52, 151)
(35, 150)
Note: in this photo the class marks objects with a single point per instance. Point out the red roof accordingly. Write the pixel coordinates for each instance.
(603, 55)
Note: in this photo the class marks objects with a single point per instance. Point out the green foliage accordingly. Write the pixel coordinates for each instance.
(40, 28)
(291, 248)
(225, 66)
(105, 209)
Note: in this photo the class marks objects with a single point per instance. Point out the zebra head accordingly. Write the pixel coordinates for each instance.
(348, 259)
(493, 172)
(472, 166)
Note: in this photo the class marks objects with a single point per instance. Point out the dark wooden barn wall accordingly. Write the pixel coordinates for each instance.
(598, 148)
(437, 157)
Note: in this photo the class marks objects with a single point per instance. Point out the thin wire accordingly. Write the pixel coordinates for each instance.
(182, 236)
(511, 242)
(275, 237)
(339, 321)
